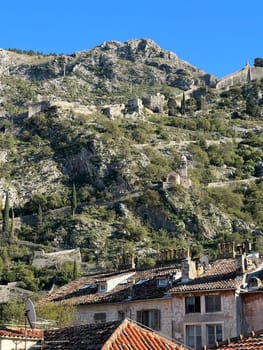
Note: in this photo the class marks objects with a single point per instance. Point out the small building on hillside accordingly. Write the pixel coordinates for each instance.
(181, 178)
(42, 259)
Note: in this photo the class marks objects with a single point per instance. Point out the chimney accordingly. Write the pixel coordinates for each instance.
(241, 264)
(188, 270)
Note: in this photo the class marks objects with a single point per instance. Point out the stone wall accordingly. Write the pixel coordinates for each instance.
(37, 107)
(242, 76)
(85, 313)
(12, 291)
(227, 317)
(42, 259)
(252, 318)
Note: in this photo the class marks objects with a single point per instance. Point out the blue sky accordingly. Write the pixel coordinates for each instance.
(218, 36)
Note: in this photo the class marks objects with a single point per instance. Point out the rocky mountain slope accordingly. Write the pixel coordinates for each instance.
(91, 145)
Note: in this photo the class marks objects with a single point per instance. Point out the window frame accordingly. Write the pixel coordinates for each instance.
(197, 336)
(212, 304)
(100, 319)
(150, 318)
(216, 332)
(194, 307)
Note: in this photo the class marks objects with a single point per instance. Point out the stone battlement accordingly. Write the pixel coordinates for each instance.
(244, 75)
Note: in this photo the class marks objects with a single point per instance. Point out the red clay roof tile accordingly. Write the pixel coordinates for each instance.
(254, 341)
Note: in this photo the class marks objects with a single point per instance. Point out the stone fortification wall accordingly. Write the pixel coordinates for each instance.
(256, 73)
(239, 77)
(37, 107)
(42, 259)
(243, 76)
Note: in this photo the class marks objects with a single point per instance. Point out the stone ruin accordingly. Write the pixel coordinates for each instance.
(56, 259)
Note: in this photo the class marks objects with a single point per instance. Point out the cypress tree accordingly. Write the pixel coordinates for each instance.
(6, 215)
(12, 230)
(183, 104)
(74, 200)
(75, 270)
(39, 217)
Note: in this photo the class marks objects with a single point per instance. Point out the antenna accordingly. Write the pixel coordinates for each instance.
(30, 313)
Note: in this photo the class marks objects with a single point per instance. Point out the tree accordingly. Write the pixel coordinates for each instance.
(39, 217)
(182, 109)
(75, 270)
(74, 200)
(12, 230)
(6, 218)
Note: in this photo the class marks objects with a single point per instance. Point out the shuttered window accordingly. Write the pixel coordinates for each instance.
(149, 318)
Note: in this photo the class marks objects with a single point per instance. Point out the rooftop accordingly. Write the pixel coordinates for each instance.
(252, 341)
(19, 332)
(123, 335)
(222, 275)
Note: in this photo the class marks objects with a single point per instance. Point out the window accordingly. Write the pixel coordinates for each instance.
(193, 336)
(212, 303)
(213, 333)
(162, 283)
(100, 317)
(102, 287)
(121, 315)
(150, 318)
(192, 304)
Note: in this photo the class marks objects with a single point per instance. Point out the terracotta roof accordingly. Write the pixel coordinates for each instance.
(253, 341)
(84, 290)
(11, 332)
(130, 336)
(221, 275)
(82, 337)
(124, 335)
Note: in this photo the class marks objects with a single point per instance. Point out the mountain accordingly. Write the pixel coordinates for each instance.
(126, 148)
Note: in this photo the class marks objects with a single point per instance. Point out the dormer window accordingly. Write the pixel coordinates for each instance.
(102, 287)
(254, 282)
(162, 283)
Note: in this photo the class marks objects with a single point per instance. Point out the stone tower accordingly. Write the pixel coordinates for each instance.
(183, 166)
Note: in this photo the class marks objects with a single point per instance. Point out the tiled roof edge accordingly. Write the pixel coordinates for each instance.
(237, 339)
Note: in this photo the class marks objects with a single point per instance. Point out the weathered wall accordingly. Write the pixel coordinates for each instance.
(243, 76)
(85, 313)
(239, 77)
(252, 310)
(227, 316)
(38, 107)
(42, 259)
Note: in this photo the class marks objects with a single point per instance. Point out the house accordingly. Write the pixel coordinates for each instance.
(252, 302)
(138, 295)
(192, 301)
(123, 335)
(17, 338)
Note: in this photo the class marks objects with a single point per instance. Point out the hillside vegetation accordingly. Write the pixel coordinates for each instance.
(75, 176)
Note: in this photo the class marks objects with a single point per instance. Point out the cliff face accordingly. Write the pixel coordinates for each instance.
(115, 121)
(109, 71)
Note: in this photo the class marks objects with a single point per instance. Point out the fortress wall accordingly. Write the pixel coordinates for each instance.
(233, 79)
(257, 73)
(240, 77)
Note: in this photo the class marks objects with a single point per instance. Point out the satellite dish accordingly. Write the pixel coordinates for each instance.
(204, 261)
(30, 313)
